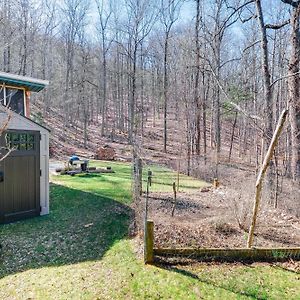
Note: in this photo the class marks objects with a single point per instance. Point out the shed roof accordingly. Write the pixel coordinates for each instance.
(16, 123)
(31, 84)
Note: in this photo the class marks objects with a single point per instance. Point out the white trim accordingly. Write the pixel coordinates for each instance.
(4, 86)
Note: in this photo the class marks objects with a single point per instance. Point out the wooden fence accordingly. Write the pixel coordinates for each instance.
(218, 254)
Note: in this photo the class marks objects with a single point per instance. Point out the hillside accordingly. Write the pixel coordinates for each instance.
(68, 139)
(238, 173)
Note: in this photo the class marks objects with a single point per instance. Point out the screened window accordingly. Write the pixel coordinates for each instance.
(15, 100)
(20, 141)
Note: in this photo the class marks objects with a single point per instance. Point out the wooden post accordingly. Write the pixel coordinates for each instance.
(261, 175)
(175, 198)
(27, 104)
(149, 242)
(216, 183)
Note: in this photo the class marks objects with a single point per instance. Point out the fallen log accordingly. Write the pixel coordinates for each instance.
(261, 175)
(101, 171)
(90, 171)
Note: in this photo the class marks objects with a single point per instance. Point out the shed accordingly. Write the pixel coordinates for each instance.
(24, 173)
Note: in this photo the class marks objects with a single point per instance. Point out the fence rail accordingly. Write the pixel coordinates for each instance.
(234, 254)
(220, 254)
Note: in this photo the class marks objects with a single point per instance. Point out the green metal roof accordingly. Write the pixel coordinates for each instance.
(31, 84)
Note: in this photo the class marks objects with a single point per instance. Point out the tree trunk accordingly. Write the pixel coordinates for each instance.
(166, 88)
(262, 172)
(132, 103)
(197, 79)
(232, 135)
(294, 95)
(268, 108)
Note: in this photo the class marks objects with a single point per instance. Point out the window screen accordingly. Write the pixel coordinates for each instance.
(15, 100)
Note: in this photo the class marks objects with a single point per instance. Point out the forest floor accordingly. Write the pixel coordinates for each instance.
(213, 219)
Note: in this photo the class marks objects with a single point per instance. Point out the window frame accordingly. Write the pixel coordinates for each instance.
(4, 86)
(16, 145)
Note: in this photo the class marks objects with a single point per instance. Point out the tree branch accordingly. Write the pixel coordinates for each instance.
(251, 45)
(248, 19)
(284, 77)
(236, 106)
(291, 2)
(277, 26)
(229, 61)
(3, 127)
(235, 10)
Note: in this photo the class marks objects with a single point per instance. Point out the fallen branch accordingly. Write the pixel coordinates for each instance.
(261, 175)
(3, 128)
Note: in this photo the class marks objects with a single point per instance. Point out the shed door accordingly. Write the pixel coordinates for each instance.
(20, 176)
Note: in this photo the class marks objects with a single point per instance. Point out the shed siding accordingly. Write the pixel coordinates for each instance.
(19, 123)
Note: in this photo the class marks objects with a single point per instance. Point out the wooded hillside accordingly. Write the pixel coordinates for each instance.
(220, 71)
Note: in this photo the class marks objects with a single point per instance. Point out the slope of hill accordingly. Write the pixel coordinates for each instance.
(238, 173)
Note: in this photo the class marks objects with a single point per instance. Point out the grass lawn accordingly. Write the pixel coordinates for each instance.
(82, 251)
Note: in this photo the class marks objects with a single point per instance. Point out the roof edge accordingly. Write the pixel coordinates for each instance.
(7, 111)
(24, 78)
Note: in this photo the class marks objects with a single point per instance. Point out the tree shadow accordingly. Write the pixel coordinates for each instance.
(81, 227)
(286, 269)
(218, 285)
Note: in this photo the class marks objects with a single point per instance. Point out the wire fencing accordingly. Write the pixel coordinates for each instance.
(180, 216)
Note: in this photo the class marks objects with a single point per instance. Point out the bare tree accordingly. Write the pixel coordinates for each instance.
(294, 88)
(141, 17)
(104, 15)
(169, 13)
(149, 63)
(197, 77)
(74, 13)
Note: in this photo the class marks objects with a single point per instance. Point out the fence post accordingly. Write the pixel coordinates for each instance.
(149, 242)
(139, 166)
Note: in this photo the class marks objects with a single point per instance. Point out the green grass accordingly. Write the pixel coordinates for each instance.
(118, 185)
(82, 251)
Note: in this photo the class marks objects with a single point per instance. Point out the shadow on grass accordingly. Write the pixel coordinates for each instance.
(252, 293)
(81, 227)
